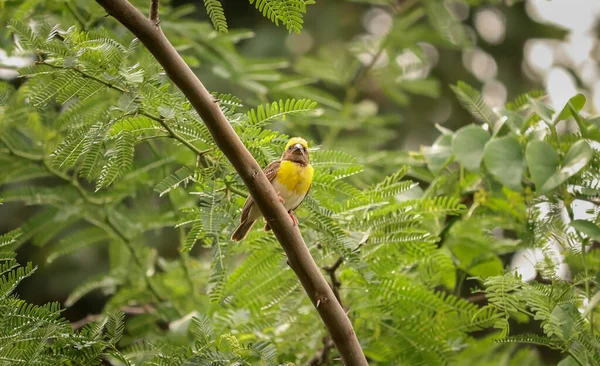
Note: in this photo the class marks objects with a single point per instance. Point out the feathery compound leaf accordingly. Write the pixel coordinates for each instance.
(437, 205)
(273, 111)
(523, 100)
(182, 175)
(228, 100)
(214, 9)
(69, 150)
(447, 24)
(93, 149)
(120, 161)
(10, 237)
(391, 186)
(218, 272)
(115, 326)
(107, 284)
(136, 125)
(472, 101)
(289, 12)
(267, 352)
(76, 241)
(331, 159)
(202, 330)
(10, 280)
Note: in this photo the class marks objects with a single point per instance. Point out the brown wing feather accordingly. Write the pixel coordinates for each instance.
(307, 191)
(270, 171)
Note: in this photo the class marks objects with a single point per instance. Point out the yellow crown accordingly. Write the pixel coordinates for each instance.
(296, 140)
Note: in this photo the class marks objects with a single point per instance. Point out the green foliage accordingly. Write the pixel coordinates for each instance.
(288, 12)
(117, 161)
(216, 15)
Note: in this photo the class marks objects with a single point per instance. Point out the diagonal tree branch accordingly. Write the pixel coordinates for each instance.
(331, 312)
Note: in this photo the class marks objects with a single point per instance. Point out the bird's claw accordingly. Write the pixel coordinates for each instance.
(294, 219)
(280, 198)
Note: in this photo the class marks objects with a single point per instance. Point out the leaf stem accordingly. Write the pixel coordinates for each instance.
(584, 243)
(77, 15)
(85, 75)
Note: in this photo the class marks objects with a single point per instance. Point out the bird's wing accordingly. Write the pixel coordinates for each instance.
(303, 198)
(270, 171)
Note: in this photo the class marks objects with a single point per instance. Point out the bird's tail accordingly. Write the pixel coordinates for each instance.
(240, 233)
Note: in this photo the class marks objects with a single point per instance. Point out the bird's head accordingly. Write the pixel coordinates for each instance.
(296, 150)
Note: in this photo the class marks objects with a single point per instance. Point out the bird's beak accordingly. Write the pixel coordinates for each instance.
(298, 147)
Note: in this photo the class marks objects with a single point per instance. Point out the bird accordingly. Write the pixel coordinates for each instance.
(291, 176)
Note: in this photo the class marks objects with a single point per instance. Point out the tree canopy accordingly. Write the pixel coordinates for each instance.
(118, 205)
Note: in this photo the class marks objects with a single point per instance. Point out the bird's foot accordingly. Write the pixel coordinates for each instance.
(280, 198)
(294, 219)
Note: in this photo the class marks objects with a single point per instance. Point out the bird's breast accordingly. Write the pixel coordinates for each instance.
(295, 177)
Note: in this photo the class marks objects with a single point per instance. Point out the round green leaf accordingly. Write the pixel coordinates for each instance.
(504, 160)
(542, 110)
(574, 105)
(577, 157)
(514, 120)
(588, 228)
(543, 162)
(438, 155)
(468, 145)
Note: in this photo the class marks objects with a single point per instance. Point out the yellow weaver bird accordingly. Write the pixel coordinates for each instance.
(291, 176)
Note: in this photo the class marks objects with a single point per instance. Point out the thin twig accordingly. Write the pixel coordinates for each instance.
(134, 310)
(174, 134)
(87, 319)
(154, 11)
(335, 283)
(321, 357)
(73, 10)
(85, 75)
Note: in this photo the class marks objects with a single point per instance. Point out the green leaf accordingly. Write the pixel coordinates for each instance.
(279, 110)
(183, 175)
(120, 161)
(214, 9)
(588, 228)
(438, 155)
(504, 160)
(542, 110)
(514, 120)
(589, 128)
(576, 103)
(543, 162)
(577, 157)
(468, 145)
(472, 101)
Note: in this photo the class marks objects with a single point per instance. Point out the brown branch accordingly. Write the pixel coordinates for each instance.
(335, 283)
(134, 310)
(154, 11)
(300, 260)
(321, 357)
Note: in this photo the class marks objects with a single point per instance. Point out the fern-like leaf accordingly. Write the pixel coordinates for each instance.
(472, 101)
(74, 242)
(120, 161)
(274, 111)
(183, 175)
(214, 9)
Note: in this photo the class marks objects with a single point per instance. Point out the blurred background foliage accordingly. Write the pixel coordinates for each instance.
(379, 70)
